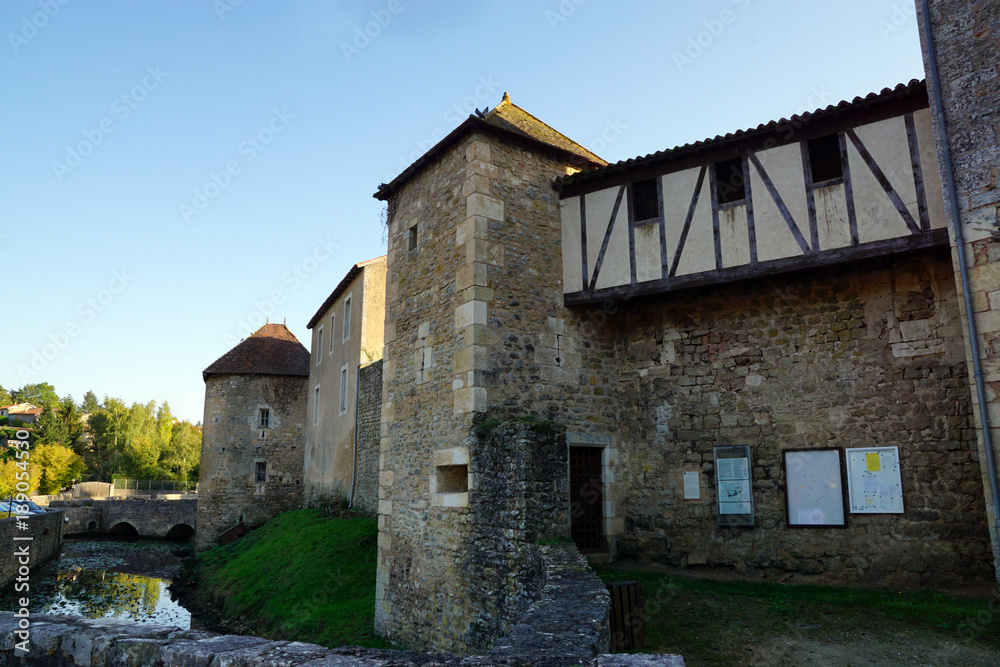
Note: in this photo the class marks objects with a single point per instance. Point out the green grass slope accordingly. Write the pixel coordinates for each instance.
(304, 576)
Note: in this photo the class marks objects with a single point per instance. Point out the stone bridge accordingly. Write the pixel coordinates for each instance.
(133, 517)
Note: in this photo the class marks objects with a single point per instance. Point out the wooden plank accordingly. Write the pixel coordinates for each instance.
(780, 203)
(845, 165)
(687, 221)
(751, 230)
(631, 235)
(664, 262)
(810, 196)
(883, 180)
(713, 191)
(912, 243)
(918, 173)
(607, 237)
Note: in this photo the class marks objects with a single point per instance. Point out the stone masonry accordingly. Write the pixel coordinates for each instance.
(369, 424)
(228, 491)
(966, 33)
(46, 533)
(864, 355)
(474, 327)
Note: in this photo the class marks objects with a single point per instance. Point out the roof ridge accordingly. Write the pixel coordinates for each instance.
(506, 100)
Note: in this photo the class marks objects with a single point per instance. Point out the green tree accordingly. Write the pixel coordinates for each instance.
(50, 429)
(90, 404)
(70, 416)
(179, 459)
(5, 397)
(55, 466)
(40, 395)
(109, 432)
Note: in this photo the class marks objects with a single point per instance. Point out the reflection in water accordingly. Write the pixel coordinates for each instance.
(108, 579)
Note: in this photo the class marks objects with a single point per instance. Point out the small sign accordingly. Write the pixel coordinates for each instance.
(692, 487)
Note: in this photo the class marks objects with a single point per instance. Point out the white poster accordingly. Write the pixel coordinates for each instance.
(873, 480)
(692, 488)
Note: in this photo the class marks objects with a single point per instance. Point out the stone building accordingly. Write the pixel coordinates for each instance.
(959, 40)
(346, 339)
(253, 433)
(751, 342)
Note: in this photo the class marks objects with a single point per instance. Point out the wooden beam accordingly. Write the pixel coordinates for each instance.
(687, 220)
(911, 243)
(883, 180)
(918, 172)
(779, 202)
(607, 237)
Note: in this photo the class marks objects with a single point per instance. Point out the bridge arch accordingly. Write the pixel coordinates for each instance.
(124, 529)
(181, 531)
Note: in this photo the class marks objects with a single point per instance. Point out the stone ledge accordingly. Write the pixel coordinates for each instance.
(66, 640)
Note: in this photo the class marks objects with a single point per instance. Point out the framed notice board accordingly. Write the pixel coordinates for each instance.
(814, 488)
(873, 481)
(734, 486)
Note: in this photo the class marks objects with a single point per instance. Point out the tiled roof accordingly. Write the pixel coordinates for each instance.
(271, 350)
(513, 118)
(914, 87)
(21, 409)
(507, 119)
(341, 286)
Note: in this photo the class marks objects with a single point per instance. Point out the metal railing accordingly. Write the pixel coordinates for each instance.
(125, 484)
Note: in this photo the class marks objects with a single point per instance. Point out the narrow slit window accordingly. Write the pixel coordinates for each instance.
(343, 389)
(319, 347)
(824, 158)
(333, 320)
(729, 183)
(261, 472)
(645, 203)
(411, 238)
(316, 405)
(347, 318)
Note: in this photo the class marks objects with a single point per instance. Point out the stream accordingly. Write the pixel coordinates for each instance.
(107, 578)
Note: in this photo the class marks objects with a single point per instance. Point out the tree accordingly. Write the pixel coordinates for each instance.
(50, 429)
(109, 431)
(5, 397)
(90, 404)
(55, 466)
(179, 459)
(41, 395)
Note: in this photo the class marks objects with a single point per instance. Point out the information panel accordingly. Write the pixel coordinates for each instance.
(814, 488)
(873, 481)
(732, 473)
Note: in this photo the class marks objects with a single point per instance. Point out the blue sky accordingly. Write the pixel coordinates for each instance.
(172, 172)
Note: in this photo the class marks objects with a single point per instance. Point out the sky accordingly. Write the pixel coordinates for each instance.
(173, 173)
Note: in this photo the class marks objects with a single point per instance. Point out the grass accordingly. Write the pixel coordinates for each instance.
(718, 622)
(303, 576)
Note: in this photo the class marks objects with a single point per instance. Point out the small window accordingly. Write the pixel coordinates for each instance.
(319, 346)
(343, 389)
(411, 238)
(729, 183)
(261, 472)
(333, 320)
(824, 158)
(264, 418)
(316, 405)
(453, 479)
(645, 203)
(347, 318)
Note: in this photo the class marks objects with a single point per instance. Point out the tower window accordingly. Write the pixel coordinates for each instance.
(316, 405)
(343, 389)
(319, 346)
(347, 318)
(729, 184)
(411, 238)
(264, 418)
(645, 203)
(261, 472)
(824, 158)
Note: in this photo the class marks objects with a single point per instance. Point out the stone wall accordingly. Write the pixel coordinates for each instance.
(857, 356)
(474, 327)
(232, 445)
(46, 533)
(966, 33)
(369, 423)
(55, 641)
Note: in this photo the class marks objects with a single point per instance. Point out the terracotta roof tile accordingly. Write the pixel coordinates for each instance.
(271, 350)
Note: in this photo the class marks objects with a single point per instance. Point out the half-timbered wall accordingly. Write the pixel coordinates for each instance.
(760, 214)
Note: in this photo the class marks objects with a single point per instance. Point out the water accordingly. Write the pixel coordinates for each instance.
(103, 578)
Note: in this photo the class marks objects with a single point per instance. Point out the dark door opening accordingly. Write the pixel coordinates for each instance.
(586, 498)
